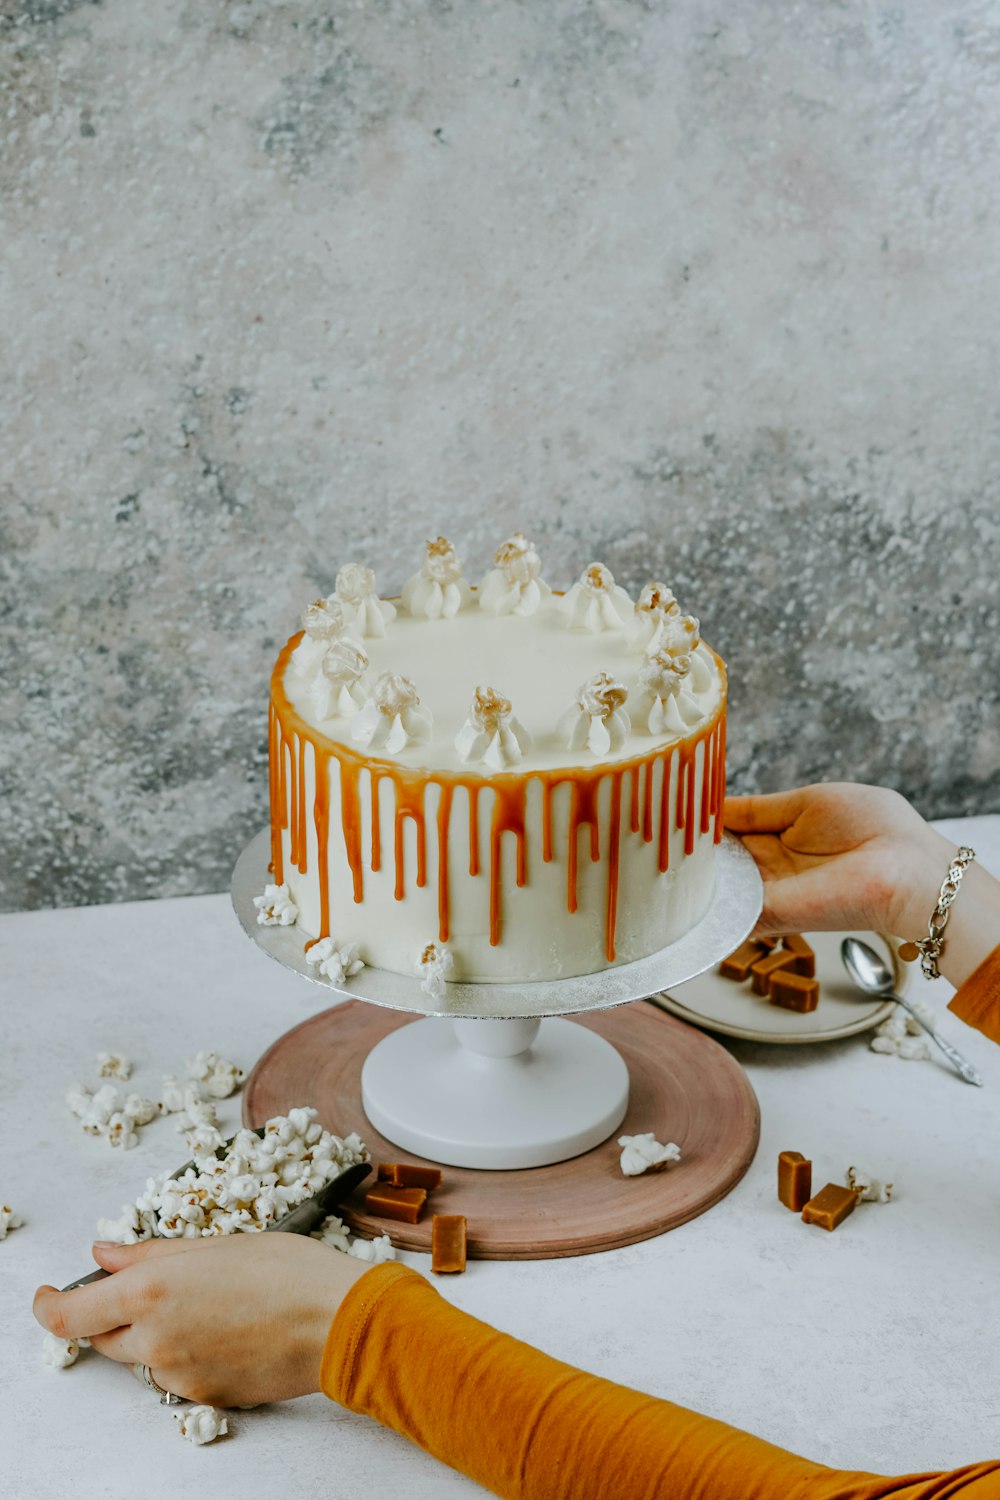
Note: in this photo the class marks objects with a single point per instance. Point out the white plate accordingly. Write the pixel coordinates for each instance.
(723, 1005)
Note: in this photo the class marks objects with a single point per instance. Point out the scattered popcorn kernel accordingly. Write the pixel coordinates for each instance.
(114, 1065)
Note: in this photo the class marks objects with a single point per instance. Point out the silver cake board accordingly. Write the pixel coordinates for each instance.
(735, 907)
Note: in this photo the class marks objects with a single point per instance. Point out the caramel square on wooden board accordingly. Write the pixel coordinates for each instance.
(387, 1202)
(831, 1206)
(409, 1174)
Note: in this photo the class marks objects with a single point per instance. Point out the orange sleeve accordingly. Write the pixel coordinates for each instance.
(977, 1003)
(526, 1426)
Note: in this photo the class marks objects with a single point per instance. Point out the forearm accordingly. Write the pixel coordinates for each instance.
(530, 1428)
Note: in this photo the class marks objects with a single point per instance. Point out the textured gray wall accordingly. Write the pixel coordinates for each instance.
(708, 293)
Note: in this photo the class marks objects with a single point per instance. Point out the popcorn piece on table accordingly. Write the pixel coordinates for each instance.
(927, 1015)
(171, 1096)
(201, 1424)
(894, 1037)
(644, 1153)
(61, 1353)
(8, 1220)
(214, 1075)
(868, 1189)
(78, 1098)
(913, 1049)
(139, 1109)
(434, 965)
(377, 1250)
(333, 1232)
(100, 1109)
(276, 907)
(196, 1112)
(335, 960)
(119, 1132)
(114, 1065)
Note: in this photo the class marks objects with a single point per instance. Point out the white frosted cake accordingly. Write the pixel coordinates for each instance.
(493, 784)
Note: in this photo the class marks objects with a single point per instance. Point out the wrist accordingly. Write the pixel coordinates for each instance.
(922, 866)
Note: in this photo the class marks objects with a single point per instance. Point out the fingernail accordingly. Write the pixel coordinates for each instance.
(105, 1245)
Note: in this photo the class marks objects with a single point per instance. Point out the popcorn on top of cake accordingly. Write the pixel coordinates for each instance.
(596, 602)
(438, 591)
(323, 621)
(653, 608)
(338, 689)
(514, 585)
(491, 733)
(392, 717)
(597, 720)
(665, 703)
(363, 610)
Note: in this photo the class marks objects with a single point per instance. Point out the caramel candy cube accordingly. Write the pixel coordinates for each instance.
(830, 1207)
(795, 1175)
(737, 966)
(793, 991)
(404, 1204)
(447, 1244)
(762, 970)
(408, 1174)
(805, 958)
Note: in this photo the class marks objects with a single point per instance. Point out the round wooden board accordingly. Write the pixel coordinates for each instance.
(684, 1088)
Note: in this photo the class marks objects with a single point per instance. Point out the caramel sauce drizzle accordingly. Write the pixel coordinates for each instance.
(289, 736)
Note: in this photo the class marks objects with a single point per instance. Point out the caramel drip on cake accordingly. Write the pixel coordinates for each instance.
(664, 853)
(614, 843)
(633, 816)
(508, 817)
(548, 786)
(647, 803)
(277, 858)
(375, 783)
(443, 822)
(321, 817)
(473, 790)
(350, 812)
(696, 800)
(410, 804)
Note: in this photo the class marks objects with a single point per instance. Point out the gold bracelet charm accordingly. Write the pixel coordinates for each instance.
(928, 949)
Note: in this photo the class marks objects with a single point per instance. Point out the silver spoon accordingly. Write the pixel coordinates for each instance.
(870, 973)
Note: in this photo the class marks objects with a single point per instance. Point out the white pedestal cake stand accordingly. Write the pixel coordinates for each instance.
(493, 1077)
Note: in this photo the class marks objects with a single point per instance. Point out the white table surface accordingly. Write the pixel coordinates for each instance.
(874, 1347)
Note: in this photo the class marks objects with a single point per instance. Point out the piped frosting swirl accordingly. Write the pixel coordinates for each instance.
(363, 610)
(392, 717)
(597, 720)
(596, 602)
(491, 734)
(514, 586)
(438, 591)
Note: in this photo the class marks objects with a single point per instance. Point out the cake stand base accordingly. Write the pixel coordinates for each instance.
(495, 1094)
(684, 1088)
